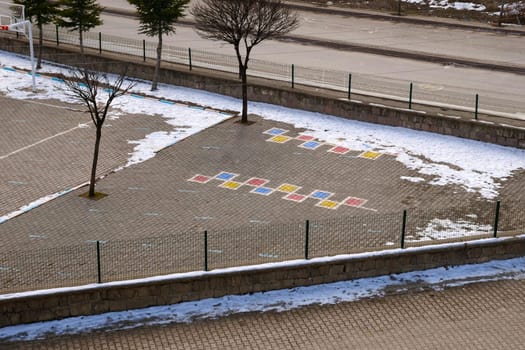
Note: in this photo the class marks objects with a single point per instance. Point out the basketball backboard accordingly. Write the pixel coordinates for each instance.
(12, 14)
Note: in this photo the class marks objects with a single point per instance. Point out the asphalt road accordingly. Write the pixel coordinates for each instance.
(380, 74)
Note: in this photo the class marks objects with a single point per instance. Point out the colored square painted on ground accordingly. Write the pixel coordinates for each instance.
(275, 131)
(288, 188)
(225, 176)
(255, 181)
(354, 201)
(200, 179)
(310, 144)
(262, 190)
(320, 194)
(339, 150)
(232, 185)
(370, 155)
(279, 139)
(295, 197)
(328, 204)
(304, 138)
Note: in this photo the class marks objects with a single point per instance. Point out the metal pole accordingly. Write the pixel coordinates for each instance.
(403, 229)
(496, 220)
(349, 85)
(99, 274)
(307, 239)
(293, 76)
(399, 7)
(205, 250)
(56, 29)
(32, 54)
(476, 108)
(99, 42)
(410, 97)
(189, 56)
(144, 50)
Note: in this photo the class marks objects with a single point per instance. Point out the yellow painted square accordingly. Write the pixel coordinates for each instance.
(232, 185)
(287, 188)
(280, 138)
(328, 204)
(370, 155)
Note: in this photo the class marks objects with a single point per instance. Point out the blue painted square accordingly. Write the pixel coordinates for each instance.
(136, 96)
(57, 79)
(320, 195)
(311, 144)
(262, 190)
(276, 131)
(10, 69)
(225, 176)
(167, 102)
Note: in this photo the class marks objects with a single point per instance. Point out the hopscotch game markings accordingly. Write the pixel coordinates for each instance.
(290, 190)
(309, 142)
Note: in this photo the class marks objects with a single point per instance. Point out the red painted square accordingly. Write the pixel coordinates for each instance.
(200, 178)
(295, 197)
(256, 182)
(304, 137)
(354, 202)
(339, 149)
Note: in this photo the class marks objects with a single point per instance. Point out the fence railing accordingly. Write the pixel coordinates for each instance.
(409, 92)
(112, 260)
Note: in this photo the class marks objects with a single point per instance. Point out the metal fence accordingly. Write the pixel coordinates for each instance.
(346, 83)
(112, 260)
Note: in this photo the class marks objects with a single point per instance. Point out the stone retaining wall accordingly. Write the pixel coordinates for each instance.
(280, 93)
(118, 296)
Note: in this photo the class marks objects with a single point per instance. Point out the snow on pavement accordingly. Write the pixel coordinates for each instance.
(277, 301)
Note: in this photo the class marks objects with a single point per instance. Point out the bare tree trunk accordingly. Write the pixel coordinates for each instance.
(157, 64)
(40, 44)
(95, 161)
(244, 79)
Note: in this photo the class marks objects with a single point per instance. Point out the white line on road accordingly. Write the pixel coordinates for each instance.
(42, 141)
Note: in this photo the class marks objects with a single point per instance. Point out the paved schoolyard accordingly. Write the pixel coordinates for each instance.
(224, 179)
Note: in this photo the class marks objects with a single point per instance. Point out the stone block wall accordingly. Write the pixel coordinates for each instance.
(280, 93)
(96, 299)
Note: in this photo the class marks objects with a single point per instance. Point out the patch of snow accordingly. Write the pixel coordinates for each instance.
(276, 301)
(412, 179)
(446, 228)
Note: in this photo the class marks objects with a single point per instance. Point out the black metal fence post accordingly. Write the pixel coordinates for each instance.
(476, 107)
(56, 30)
(144, 50)
(293, 76)
(99, 273)
(410, 96)
(307, 239)
(403, 229)
(496, 219)
(349, 85)
(189, 57)
(205, 250)
(99, 42)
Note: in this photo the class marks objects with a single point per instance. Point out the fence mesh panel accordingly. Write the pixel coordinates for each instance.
(424, 227)
(48, 268)
(354, 234)
(511, 218)
(128, 259)
(255, 245)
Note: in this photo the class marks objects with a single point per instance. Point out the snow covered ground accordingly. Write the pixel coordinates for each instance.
(440, 160)
(278, 301)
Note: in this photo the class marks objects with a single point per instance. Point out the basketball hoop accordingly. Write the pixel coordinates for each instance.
(12, 18)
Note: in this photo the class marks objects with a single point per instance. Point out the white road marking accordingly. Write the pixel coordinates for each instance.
(41, 141)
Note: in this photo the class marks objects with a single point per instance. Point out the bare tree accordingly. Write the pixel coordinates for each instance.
(244, 24)
(97, 91)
